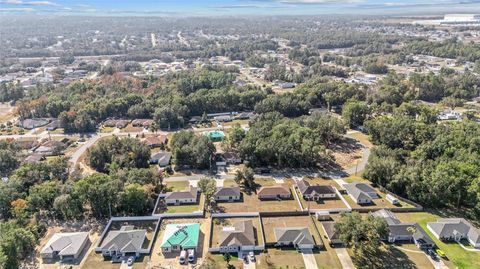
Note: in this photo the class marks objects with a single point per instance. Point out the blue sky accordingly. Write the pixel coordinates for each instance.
(237, 7)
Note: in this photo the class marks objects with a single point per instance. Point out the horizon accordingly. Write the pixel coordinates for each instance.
(223, 8)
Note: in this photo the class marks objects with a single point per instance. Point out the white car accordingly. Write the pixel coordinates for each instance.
(130, 261)
(191, 255)
(251, 255)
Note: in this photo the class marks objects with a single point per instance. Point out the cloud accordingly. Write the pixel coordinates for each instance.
(319, 2)
(28, 3)
(26, 9)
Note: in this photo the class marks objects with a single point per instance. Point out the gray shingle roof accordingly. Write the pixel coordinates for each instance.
(191, 193)
(296, 235)
(227, 191)
(454, 226)
(65, 243)
(241, 235)
(359, 190)
(124, 240)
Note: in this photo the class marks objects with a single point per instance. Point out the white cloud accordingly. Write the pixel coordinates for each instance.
(28, 3)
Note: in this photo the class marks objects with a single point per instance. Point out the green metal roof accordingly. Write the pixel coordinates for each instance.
(215, 134)
(184, 234)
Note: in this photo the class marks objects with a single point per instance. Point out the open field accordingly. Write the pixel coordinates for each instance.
(457, 255)
(171, 259)
(219, 223)
(7, 112)
(270, 223)
(177, 185)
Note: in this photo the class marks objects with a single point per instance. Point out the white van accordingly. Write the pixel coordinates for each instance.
(191, 255)
(183, 256)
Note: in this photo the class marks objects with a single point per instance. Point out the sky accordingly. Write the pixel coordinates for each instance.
(237, 7)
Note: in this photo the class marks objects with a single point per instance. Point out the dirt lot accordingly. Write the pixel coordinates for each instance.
(270, 223)
(218, 223)
(170, 260)
(7, 112)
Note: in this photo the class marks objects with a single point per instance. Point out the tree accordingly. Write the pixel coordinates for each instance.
(43, 195)
(362, 234)
(355, 113)
(227, 257)
(100, 192)
(68, 206)
(191, 150)
(234, 137)
(208, 187)
(135, 200)
(8, 162)
(16, 243)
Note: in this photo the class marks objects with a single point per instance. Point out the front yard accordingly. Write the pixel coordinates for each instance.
(270, 223)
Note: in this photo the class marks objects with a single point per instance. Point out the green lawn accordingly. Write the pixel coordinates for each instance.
(177, 185)
(458, 256)
(187, 208)
(229, 183)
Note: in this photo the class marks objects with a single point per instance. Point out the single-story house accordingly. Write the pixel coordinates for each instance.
(239, 237)
(399, 231)
(361, 193)
(155, 141)
(223, 118)
(214, 135)
(145, 123)
(245, 115)
(67, 247)
(53, 125)
(178, 237)
(162, 158)
(116, 123)
(227, 194)
(455, 229)
(274, 192)
(50, 148)
(315, 192)
(332, 235)
(232, 158)
(195, 119)
(298, 237)
(124, 242)
(188, 196)
(33, 123)
(34, 158)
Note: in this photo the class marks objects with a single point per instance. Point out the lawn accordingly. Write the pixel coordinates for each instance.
(96, 261)
(270, 223)
(229, 183)
(458, 256)
(276, 258)
(106, 129)
(177, 185)
(220, 262)
(392, 257)
(187, 208)
(219, 223)
(377, 203)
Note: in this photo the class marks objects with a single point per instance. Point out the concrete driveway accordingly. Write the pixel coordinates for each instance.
(309, 259)
(344, 258)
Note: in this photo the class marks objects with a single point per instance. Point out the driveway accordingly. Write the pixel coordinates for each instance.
(344, 258)
(124, 265)
(438, 264)
(309, 259)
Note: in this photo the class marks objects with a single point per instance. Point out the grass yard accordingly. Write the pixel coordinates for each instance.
(187, 208)
(220, 262)
(393, 258)
(251, 203)
(229, 183)
(457, 255)
(219, 223)
(270, 223)
(177, 185)
(355, 178)
(106, 129)
(276, 258)
(96, 261)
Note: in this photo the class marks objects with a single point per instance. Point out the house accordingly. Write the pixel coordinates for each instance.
(67, 247)
(223, 118)
(188, 196)
(322, 215)
(316, 192)
(145, 123)
(214, 135)
(155, 141)
(274, 192)
(455, 229)
(298, 237)
(50, 148)
(361, 193)
(33, 123)
(239, 237)
(34, 158)
(245, 115)
(332, 235)
(53, 125)
(124, 242)
(232, 158)
(399, 231)
(178, 237)
(227, 194)
(195, 119)
(162, 158)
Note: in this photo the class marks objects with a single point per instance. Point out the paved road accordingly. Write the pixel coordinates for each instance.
(309, 259)
(344, 258)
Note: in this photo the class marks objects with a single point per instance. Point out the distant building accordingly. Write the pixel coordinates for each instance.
(461, 19)
(162, 158)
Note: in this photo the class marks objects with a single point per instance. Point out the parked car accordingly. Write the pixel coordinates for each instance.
(251, 255)
(432, 254)
(183, 256)
(130, 261)
(191, 255)
(441, 253)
